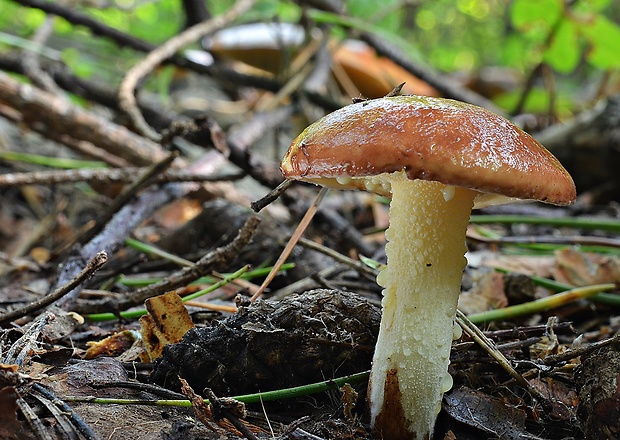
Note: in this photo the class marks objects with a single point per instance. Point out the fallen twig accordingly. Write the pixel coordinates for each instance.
(124, 197)
(303, 224)
(91, 267)
(127, 99)
(258, 205)
(32, 67)
(126, 220)
(487, 345)
(59, 115)
(214, 260)
(77, 421)
(108, 175)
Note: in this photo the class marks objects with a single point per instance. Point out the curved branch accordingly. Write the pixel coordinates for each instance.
(127, 99)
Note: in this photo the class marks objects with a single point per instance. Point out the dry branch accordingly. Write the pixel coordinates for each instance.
(57, 115)
(127, 219)
(107, 175)
(91, 267)
(96, 27)
(122, 39)
(214, 260)
(128, 86)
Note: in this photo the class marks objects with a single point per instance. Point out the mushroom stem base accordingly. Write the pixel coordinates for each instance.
(425, 255)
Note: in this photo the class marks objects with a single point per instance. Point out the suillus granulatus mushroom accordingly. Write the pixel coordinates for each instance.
(436, 159)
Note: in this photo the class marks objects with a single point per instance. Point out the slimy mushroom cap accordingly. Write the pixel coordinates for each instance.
(431, 139)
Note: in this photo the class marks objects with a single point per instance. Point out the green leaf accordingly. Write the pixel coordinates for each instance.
(591, 5)
(563, 54)
(603, 37)
(528, 14)
(373, 264)
(74, 60)
(515, 49)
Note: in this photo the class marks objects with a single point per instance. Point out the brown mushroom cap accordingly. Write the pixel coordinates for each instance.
(432, 139)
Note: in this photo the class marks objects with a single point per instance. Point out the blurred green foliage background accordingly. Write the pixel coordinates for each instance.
(579, 40)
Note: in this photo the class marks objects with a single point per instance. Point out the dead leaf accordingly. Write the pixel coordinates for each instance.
(487, 294)
(113, 345)
(10, 428)
(166, 323)
(62, 324)
(561, 396)
(10, 378)
(449, 436)
(526, 264)
(9, 375)
(486, 413)
(583, 268)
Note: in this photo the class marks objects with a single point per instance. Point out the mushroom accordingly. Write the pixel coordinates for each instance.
(436, 159)
(272, 47)
(267, 46)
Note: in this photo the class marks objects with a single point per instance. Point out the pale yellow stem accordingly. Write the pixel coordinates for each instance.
(425, 255)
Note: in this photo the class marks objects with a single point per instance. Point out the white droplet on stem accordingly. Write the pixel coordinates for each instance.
(448, 192)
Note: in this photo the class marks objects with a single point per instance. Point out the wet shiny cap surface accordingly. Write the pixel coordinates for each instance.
(432, 139)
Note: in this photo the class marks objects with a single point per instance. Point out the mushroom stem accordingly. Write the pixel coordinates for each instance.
(425, 255)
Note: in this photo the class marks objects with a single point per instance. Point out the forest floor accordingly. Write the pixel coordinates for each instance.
(95, 258)
(318, 323)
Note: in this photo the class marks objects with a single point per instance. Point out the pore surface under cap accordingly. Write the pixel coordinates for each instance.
(432, 139)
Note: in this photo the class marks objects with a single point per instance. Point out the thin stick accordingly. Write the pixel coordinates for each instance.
(286, 393)
(303, 224)
(78, 422)
(107, 175)
(124, 197)
(573, 353)
(212, 306)
(32, 67)
(136, 313)
(611, 225)
(271, 196)
(355, 264)
(91, 267)
(476, 334)
(214, 260)
(36, 425)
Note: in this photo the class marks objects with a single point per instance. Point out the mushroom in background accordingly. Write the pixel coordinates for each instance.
(265, 46)
(436, 159)
(371, 75)
(356, 67)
